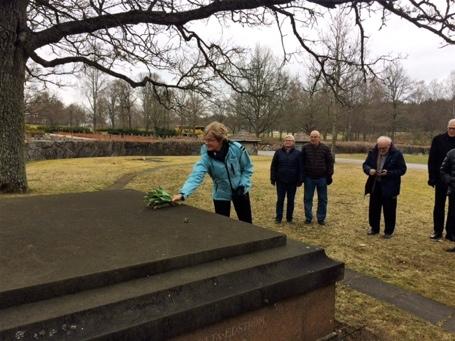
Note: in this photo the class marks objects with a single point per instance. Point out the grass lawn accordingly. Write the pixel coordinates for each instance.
(411, 158)
(87, 174)
(409, 260)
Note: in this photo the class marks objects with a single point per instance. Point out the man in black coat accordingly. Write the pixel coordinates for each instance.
(440, 145)
(384, 166)
(285, 173)
(448, 178)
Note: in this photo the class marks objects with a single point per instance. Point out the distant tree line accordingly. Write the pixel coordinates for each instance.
(270, 99)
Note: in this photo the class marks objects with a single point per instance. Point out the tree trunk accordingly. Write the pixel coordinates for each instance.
(394, 120)
(130, 125)
(334, 131)
(12, 77)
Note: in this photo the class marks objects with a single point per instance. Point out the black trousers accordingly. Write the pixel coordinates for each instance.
(389, 206)
(242, 207)
(283, 190)
(440, 195)
(450, 224)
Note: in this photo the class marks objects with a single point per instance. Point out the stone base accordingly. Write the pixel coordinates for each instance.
(306, 317)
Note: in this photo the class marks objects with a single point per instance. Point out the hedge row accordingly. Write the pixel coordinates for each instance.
(162, 132)
(61, 129)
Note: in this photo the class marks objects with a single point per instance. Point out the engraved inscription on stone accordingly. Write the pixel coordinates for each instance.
(236, 332)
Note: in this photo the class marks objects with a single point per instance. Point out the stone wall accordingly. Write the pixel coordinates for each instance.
(48, 150)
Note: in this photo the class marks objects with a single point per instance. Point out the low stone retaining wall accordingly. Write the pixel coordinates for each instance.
(49, 150)
(64, 149)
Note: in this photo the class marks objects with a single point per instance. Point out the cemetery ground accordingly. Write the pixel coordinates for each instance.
(409, 260)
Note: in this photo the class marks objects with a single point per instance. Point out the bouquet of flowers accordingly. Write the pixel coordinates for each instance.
(158, 198)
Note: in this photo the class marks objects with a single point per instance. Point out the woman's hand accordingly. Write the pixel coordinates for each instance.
(177, 197)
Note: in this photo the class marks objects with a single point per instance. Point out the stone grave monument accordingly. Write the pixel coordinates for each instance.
(102, 266)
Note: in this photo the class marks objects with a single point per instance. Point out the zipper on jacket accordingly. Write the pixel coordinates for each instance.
(229, 177)
(233, 170)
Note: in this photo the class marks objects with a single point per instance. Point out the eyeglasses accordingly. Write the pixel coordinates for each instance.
(451, 128)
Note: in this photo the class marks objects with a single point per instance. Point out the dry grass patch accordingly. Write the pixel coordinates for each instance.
(383, 320)
(86, 174)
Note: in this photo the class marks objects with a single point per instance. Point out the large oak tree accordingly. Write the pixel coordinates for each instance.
(160, 36)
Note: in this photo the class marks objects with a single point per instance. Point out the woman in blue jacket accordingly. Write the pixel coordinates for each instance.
(230, 168)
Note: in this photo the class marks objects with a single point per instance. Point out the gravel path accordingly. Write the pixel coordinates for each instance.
(417, 166)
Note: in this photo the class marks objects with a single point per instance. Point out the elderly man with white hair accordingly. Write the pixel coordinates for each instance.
(384, 166)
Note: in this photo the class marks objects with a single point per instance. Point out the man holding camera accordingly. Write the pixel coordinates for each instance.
(384, 166)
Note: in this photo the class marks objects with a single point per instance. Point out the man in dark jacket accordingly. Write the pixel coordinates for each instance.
(317, 164)
(440, 145)
(448, 178)
(286, 174)
(384, 166)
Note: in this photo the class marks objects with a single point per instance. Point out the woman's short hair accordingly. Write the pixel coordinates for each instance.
(289, 137)
(217, 130)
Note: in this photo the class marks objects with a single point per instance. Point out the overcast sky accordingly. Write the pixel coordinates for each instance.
(425, 57)
(426, 60)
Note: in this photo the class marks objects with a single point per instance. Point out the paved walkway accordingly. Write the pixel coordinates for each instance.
(420, 306)
(429, 310)
(418, 166)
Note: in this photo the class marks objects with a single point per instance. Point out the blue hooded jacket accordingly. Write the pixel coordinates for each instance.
(237, 163)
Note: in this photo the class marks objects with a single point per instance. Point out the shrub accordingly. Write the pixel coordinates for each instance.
(163, 132)
(64, 129)
(124, 131)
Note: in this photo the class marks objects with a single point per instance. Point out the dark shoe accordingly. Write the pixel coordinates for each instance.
(371, 232)
(449, 237)
(307, 221)
(387, 236)
(321, 222)
(435, 236)
(290, 222)
(277, 221)
(451, 250)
